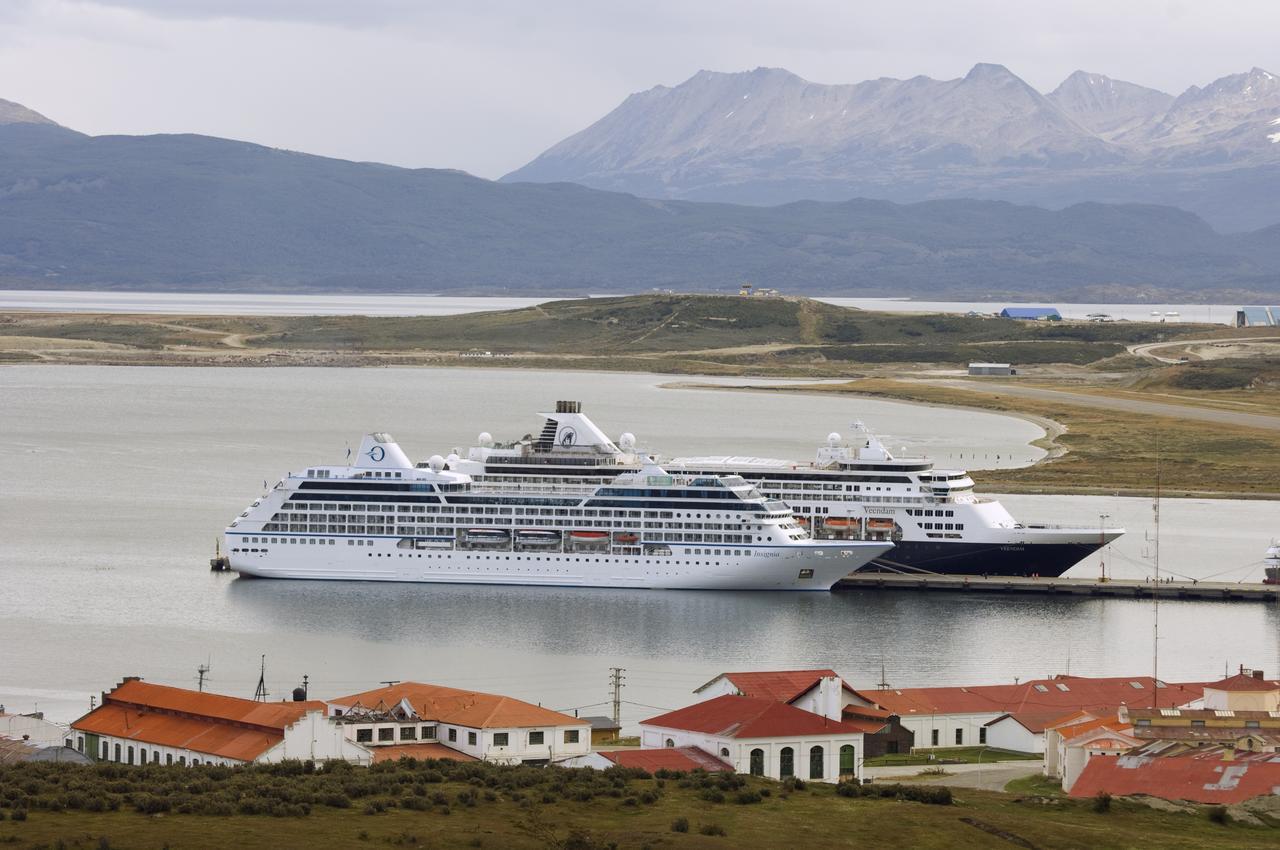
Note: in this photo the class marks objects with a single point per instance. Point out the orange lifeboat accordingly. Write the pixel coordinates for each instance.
(626, 538)
(839, 522)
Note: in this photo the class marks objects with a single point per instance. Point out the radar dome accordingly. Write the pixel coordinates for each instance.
(485, 439)
(435, 463)
(452, 458)
(833, 439)
(627, 441)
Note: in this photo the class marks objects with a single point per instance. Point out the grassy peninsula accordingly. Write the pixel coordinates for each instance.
(1108, 447)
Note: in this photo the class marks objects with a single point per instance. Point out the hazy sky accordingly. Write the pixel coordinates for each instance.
(486, 85)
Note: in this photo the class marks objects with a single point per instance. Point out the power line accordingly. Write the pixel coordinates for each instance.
(615, 682)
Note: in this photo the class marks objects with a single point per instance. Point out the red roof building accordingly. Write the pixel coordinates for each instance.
(777, 685)
(764, 737)
(1015, 716)
(1199, 780)
(484, 726)
(139, 722)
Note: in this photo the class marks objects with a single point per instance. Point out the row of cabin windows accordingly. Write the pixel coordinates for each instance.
(935, 735)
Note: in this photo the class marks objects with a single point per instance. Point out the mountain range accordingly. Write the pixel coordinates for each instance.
(197, 213)
(767, 136)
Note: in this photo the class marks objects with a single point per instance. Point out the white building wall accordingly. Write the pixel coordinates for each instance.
(316, 737)
(38, 731)
(155, 754)
(969, 725)
(457, 737)
(1008, 734)
(739, 751)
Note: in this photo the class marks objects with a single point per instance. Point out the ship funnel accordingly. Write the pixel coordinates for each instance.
(568, 407)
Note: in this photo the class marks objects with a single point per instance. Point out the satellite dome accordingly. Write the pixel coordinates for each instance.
(453, 457)
(627, 441)
(833, 439)
(435, 463)
(485, 439)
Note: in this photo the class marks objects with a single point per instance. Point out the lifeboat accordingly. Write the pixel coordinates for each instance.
(485, 536)
(839, 522)
(626, 538)
(589, 536)
(537, 537)
(803, 520)
(880, 524)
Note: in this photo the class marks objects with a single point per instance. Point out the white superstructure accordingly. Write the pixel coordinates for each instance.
(385, 519)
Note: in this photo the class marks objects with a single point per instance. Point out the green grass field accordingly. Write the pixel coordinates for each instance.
(950, 755)
(446, 804)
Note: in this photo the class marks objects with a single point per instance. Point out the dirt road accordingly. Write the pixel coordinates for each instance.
(1152, 408)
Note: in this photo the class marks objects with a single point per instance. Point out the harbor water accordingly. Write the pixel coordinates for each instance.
(115, 483)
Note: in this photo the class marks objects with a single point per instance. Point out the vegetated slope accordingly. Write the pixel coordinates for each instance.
(207, 214)
(673, 323)
(768, 136)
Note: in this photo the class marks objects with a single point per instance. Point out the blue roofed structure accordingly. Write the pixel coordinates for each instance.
(1042, 313)
(1258, 317)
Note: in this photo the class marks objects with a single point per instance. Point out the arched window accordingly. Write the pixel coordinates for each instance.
(786, 763)
(669, 743)
(757, 762)
(130, 751)
(724, 752)
(816, 768)
(117, 752)
(848, 763)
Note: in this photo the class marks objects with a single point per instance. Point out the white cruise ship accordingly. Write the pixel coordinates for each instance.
(385, 519)
(857, 491)
(937, 522)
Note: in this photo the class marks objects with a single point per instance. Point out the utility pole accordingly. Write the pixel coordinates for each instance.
(260, 695)
(882, 684)
(200, 673)
(615, 682)
(1155, 596)
(1102, 544)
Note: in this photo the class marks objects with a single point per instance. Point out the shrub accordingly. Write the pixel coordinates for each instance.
(712, 795)
(680, 824)
(1218, 814)
(712, 829)
(746, 798)
(1102, 802)
(19, 814)
(846, 789)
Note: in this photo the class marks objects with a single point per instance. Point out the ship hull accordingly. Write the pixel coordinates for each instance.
(1050, 559)
(807, 567)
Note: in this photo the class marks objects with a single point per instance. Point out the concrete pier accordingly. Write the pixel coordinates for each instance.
(1122, 588)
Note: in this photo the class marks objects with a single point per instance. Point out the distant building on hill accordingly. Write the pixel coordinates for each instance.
(1041, 314)
(1004, 370)
(32, 728)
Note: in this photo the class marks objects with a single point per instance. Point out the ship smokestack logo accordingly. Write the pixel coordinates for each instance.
(567, 437)
(377, 453)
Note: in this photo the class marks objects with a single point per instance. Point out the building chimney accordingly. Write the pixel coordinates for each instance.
(1257, 674)
(829, 692)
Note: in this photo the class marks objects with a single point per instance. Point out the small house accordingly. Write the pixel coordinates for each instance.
(1035, 314)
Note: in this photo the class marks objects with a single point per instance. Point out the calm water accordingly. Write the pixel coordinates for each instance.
(114, 483)
(249, 304)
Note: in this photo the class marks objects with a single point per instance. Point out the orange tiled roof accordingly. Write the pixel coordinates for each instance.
(273, 715)
(1243, 682)
(1199, 780)
(213, 737)
(465, 708)
(1038, 695)
(223, 726)
(748, 717)
(778, 685)
(670, 758)
(418, 751)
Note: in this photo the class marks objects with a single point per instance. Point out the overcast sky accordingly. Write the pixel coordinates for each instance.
(486, 85)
